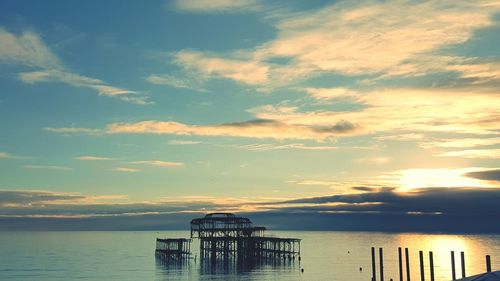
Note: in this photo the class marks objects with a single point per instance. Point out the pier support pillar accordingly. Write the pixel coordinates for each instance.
(407, 259)
(453, 273)
(422, 273)
(400, 258)
(462, 257)
(381, 257)
(488, 263)
(374, 270)
(431, 263)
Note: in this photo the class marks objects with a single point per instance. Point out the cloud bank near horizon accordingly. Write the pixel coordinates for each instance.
(463, 206)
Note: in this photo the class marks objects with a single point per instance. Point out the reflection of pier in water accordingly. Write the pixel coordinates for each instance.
(228, 239)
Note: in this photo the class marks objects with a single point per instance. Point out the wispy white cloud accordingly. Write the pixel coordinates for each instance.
(93, 158)
(6, 155)
(474, 153)
(76, 80)
(237, 69)
(28, 49)
(48, 167)
(216, 6)
(401, 137)
(298, 146)
(460, 142)
(373, 160)
(183, 142)
(157, 163)
(262, 128)
(126, 170)
(74, 131)
(391, 110)
(172, 81)
(353, 38)
(317, 182)
(478, 72)
(331, 93)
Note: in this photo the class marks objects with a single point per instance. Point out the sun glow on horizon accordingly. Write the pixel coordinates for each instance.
(428, 178)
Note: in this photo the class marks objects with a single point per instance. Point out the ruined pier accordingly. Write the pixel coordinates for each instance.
(227, 237)
(178, 249)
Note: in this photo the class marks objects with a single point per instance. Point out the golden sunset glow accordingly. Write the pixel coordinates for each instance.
(323, 108)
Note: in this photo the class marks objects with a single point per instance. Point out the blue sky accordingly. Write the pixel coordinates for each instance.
(232, 103)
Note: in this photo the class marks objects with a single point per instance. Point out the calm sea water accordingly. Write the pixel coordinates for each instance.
(325, 256)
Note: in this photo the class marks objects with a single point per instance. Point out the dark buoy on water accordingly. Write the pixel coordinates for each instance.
(360, 269)
(300, 258)
(302, 270)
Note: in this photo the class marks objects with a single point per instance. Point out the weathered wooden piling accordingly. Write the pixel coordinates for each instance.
(462, 259)
(488, 263)
(453, 273)
(431, 264)
(407, 258)
(422, 273)
(381, 257)
(374, 270)
(431, 273)
(400, 262)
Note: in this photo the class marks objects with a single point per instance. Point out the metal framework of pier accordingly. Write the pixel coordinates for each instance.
(227, 237)
(177, 249)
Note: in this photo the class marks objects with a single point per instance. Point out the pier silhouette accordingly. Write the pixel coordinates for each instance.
(229, 238)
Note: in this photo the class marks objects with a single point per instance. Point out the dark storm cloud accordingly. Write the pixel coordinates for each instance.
(491, 175)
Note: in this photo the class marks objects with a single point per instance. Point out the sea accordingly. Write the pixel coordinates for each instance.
(325, 255)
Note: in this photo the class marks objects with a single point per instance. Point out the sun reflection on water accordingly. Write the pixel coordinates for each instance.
(441, 246)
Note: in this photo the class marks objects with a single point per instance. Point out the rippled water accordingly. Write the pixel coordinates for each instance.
(325, 256)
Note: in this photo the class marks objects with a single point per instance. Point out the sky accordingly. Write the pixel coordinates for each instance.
(343, 112)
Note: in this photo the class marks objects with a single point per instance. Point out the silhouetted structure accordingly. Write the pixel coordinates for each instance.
(226, 237)
(178, 249)
(493, 276)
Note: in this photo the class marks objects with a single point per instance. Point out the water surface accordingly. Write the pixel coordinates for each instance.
(326, 255)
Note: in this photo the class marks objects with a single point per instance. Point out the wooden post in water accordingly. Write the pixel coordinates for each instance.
(422, 273)
(431, 263)
(407, 258)
(381, 257)
(462, 256)
(488, 263)
(453, 274)
(374, 270)
(400, 256)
